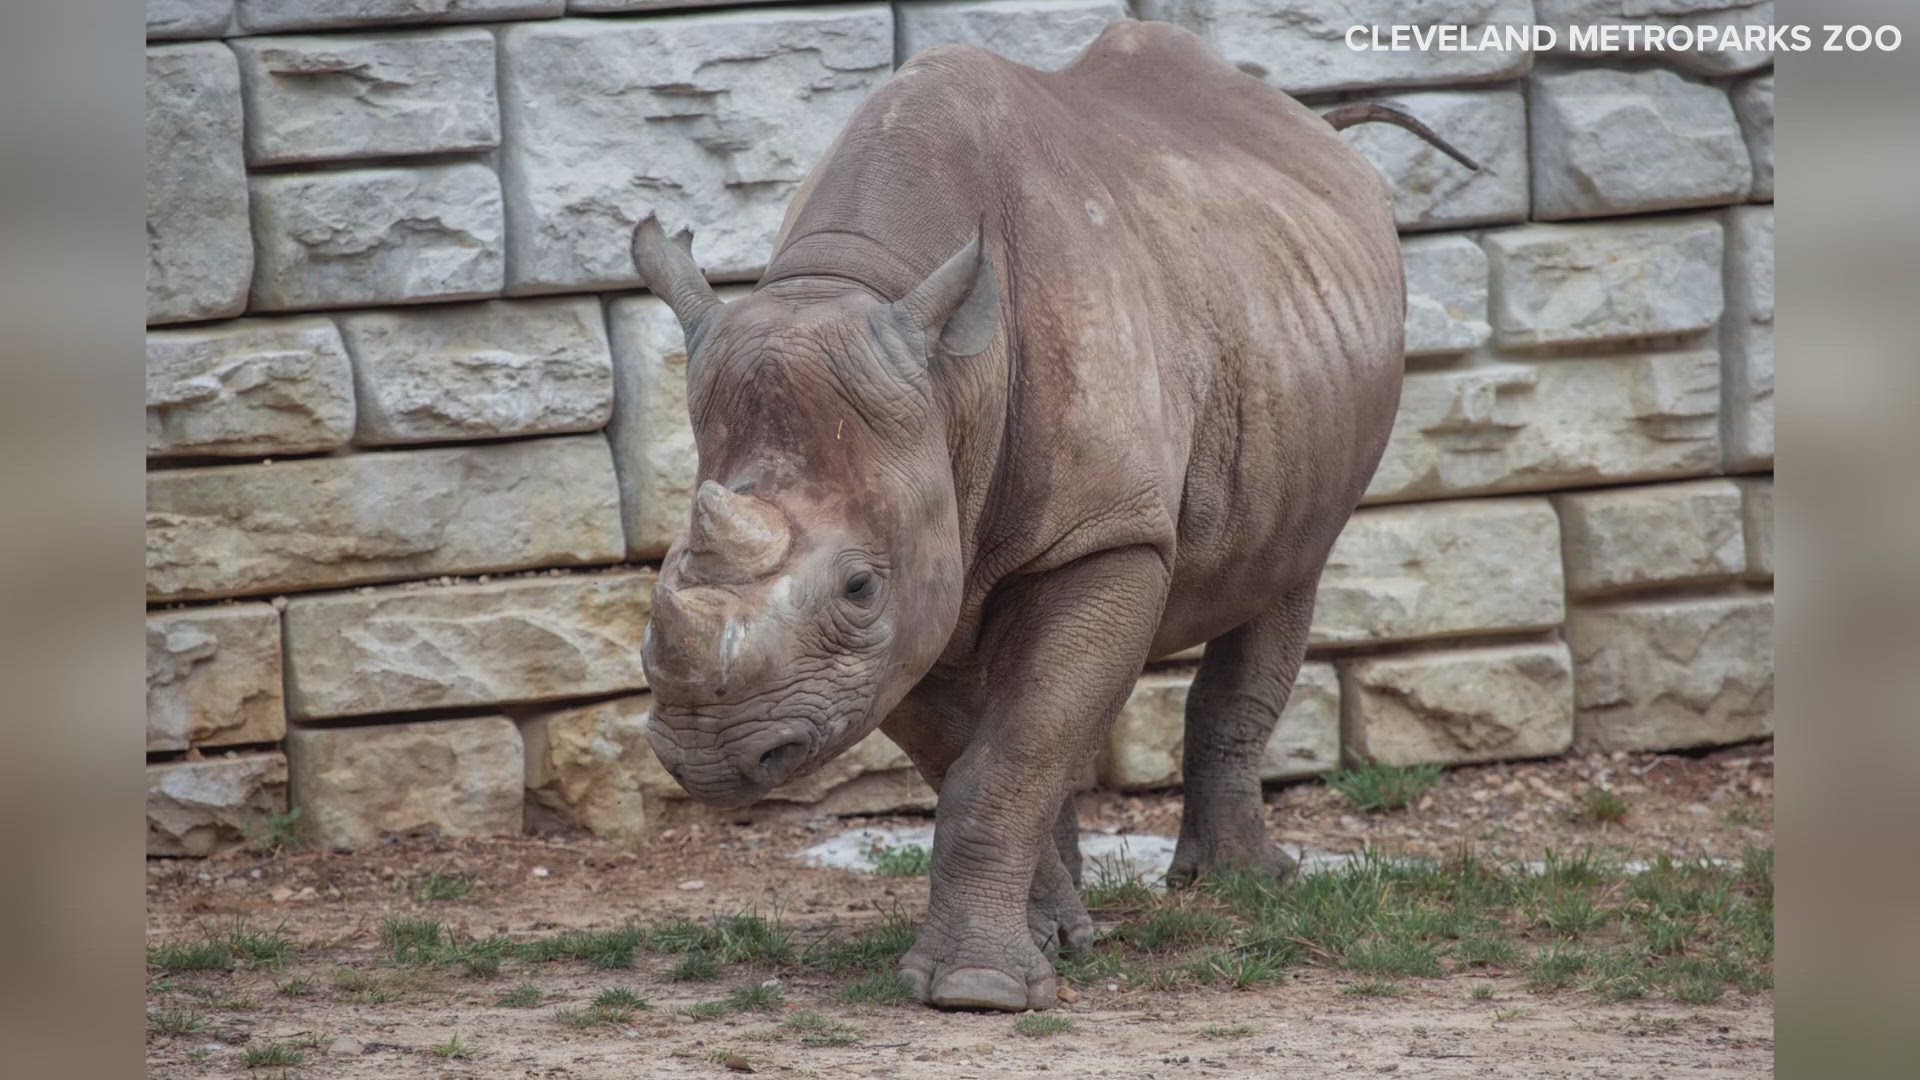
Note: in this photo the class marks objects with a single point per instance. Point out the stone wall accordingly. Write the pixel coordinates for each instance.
(416, 437)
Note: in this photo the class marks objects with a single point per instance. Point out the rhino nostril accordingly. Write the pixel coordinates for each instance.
(780, 761)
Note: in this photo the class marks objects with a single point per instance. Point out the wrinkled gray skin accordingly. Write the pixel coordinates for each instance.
(1050, 374)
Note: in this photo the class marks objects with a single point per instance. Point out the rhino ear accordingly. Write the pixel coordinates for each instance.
(958, 304)
(667, 266)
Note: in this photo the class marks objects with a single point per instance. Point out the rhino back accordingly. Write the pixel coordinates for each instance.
(1202, 348)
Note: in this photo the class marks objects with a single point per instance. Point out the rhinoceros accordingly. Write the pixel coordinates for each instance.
(1049, 375)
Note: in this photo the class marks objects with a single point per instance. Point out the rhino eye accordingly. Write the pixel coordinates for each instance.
(859, 586)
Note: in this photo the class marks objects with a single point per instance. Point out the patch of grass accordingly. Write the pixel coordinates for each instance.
(1482, 992)
(1114, 887)
(1571, 912)
(452, 1049)
(524, 996)
(268, 948)
(877, 949)
(1395, 957)
(435, 885)
(1237, 968)
(621, 999)
(1373, 988)
(816, 1030)
(1485, 950)
(1173, 927)
(882, 988)
(708, 1010)
(1105, 962)
(1555, 967)
(1375, 788)
(763, 997)
(1042, 1025)
(176, 1022)
(907, 860)
(298, 986)
(178, 956)
(1603, 807)
(600, 948)
(415, 942)
(1237, 1031)
(695, 967)
(746, 938)
(278, 833)
(277, 1055)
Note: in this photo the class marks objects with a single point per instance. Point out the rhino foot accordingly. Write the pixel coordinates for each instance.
(1056, 916)
(1013, 983)
(1193, 859)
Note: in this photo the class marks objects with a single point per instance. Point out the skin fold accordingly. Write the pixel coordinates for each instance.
(1050, 374)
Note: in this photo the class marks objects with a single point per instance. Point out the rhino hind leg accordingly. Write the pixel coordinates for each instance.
(1243, 684)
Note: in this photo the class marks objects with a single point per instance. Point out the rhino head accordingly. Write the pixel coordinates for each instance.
(820, 576)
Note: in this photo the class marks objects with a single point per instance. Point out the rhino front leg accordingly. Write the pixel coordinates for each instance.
(1061, 654)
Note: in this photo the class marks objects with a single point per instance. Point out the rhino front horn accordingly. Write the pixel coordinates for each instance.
(735, 536)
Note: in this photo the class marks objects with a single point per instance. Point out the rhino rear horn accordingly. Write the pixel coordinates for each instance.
(735, 536)
(958, 304)
(667, 266)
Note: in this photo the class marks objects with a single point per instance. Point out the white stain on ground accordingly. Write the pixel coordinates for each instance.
(1143, 856)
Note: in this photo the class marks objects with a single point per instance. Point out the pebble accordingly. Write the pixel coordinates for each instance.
(692, 886)
(541, 871)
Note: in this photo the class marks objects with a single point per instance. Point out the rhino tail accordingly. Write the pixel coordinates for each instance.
(1371, 112)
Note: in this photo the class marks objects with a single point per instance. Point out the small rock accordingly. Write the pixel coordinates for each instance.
(281, 895)
(1069, 995)
(541, 871)
(692, 886)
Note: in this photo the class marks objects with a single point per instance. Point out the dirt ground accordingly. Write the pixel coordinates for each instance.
(332, 904)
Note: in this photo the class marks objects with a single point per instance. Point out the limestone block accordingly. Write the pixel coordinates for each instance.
(248, 388)
(1756, 514)
(1622, 539)
(1446, 295)
(874, 776)
(203, 807)
(480, 371)
(344, 96)
(1753, 104)
(168, 19)
(1496, 426)
(377, 236)
(199, 255)
(1672, 673)
(235, 530)
(1454, 706)
(1608, 141)
(1146, 745)
(269, 16)
(1300, 46)
(1746, 341)
(1664, 15)
(1430, 189)
(1044, 34)
(711, 119)
(650, 432)
(1588, 284)
(586, 766)
(213, 677)
(457, 777)
(1408, 573)
(526, 639)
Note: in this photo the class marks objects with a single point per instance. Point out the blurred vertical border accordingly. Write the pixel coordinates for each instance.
(1847, 337)
(72, 109)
